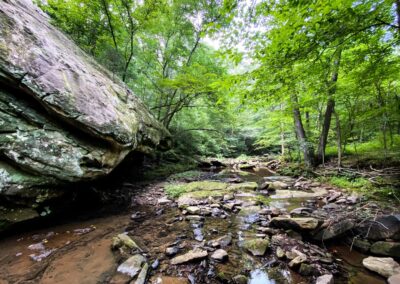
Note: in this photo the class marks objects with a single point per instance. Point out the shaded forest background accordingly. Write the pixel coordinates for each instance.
(308, 81)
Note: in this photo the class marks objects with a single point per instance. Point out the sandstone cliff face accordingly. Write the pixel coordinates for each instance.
(63, 118)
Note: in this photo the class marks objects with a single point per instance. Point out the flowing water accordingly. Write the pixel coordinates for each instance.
(79, 251)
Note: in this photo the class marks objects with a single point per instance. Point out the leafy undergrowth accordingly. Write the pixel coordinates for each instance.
(365, 187)
(369, 153)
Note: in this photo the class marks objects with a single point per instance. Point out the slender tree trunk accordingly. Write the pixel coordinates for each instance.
(107, 12)
(282, 135)
(305, 147)
(339, 140)
(330, 107)
(398, 14)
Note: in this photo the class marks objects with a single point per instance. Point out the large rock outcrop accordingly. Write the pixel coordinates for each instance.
(63, 118)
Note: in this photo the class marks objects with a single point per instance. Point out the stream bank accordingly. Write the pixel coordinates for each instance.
(232, 226)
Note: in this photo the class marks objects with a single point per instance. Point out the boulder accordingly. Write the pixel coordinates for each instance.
(124, 241)
(385, 266)
(384, 227)
(334, 230)
(64, 117)
(306, 269)
(295, 223)
(361, 244)
(132, 265)
(386, 249)
(256, 247)
(192, 255)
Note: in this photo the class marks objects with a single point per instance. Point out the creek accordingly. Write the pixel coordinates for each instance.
(78, 251)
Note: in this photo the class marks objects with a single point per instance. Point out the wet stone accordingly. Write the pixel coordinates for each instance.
(223, 241)
(306, 269)
(219, 255)
(302, 211)
(256, 247)
(361, 244)
(37, 246)
(163, 201)
(193, 210)
(297, 261)
(170, 251)
(123, 240)
(192, 255)
(142, 275)
(385, 266)
(132, 265)
(386, 249)
(198, 234)
(280, 252)
(325, 279)
(295, 223)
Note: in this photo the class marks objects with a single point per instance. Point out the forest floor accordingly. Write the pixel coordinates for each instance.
(232, 221)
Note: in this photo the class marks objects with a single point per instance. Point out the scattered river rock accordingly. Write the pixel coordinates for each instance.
(256, 247)
(219, 255)
(325, 279)
(132, 265)
(295, 223)
(192, 255)
(386, 248)
(335, 230)
(385, 266)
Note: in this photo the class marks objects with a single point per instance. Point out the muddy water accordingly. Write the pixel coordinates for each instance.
(79, 252)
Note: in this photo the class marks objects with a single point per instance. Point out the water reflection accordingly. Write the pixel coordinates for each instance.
(260, 276)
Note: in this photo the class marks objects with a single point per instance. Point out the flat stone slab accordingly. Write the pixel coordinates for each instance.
(385, 266)
(295, 223)
(192, 255)
(283, 194)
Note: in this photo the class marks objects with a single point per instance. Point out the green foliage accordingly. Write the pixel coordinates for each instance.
(281, 62)
(199, 189)
(174, 190)
(350, 183)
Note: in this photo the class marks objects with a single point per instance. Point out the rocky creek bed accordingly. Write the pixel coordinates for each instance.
(238, 225)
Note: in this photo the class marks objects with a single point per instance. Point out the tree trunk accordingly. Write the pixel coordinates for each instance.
(282, 130)
(330, 107)
(398, 14)
(339, 140)
(305, 147)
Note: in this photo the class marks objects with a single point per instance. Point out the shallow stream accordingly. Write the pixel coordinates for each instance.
(79, 251)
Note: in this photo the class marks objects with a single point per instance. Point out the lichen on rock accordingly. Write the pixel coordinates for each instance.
(63, 117)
